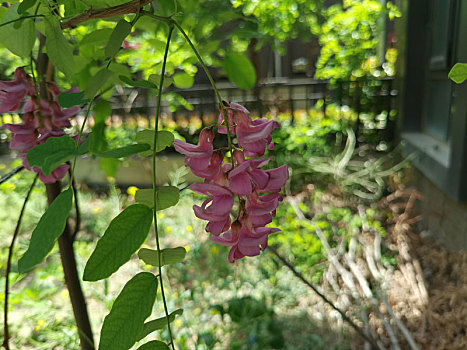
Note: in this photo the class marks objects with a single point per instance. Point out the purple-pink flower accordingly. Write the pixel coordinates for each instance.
(215, 209)
(198, 156)
(257, 189)
(40, 120)
(12, 93)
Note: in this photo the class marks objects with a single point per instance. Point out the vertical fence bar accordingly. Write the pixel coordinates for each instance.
(259, 104)
(325, 92)
(358, 101)
(292, 107)
(390, 124)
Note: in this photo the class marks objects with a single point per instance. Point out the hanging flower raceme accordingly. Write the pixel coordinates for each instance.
(40, 120)
(257, 189)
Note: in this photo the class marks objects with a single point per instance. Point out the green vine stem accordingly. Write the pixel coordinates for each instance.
(6, 334)
(205, 68)
(20, 19)
(158, 106)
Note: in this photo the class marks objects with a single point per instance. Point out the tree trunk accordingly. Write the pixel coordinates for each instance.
(67, 255)
(65, 241)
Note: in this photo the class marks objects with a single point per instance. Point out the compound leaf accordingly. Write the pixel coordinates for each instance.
(157, 324)
(52, 153)
(120, 32)
(164, 138)
(166, 197)
(240, 70)
(122, 238)
(126, 318)
(169, 256)
(49, 228)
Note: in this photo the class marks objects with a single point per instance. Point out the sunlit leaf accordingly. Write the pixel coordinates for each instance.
(122, 238)
(49, 228)
(169, 256)
(126, 318)
(183, 80)
(166, 197)
(240, 70)
(458, 73)
(157, 324)
(58, 48)
(18, 37)
(164, 138)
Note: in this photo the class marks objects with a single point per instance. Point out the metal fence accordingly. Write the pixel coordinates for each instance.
(278, 95)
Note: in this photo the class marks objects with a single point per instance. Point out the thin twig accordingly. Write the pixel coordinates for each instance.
(322, 296)
(123, 9)
(399, 324)
(77, 211)
(154, 181)
(6, 334)
(11, 173)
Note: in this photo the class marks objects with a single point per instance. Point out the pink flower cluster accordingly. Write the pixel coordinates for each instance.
(41, 119)
(257, 189)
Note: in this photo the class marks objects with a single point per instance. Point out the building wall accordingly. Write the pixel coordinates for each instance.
(443, 218)
(441, 160)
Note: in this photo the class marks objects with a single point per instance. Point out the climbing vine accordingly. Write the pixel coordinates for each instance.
(42, 36)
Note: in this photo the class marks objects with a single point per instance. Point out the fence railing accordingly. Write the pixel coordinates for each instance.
(272, 95)
(277, 95)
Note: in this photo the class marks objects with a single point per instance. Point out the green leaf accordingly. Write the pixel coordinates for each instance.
(18, 37)
(25, 5)
(109, 166)
(102, 111)
(126, 319)
(458, 73)
(84, 146)
(52, 153)
(98, 141)
(166, 197)
(137, 83)
(156, 79)
(49, 228)
(157, 324)
(183, 80)
(169, 256)
(154, 345)
(122, 238)
(164, 138)
(59, 50)
(70, 99)
(240, 70)
(97, 82)
(123, 151)
(97, 37)
(120, 32)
